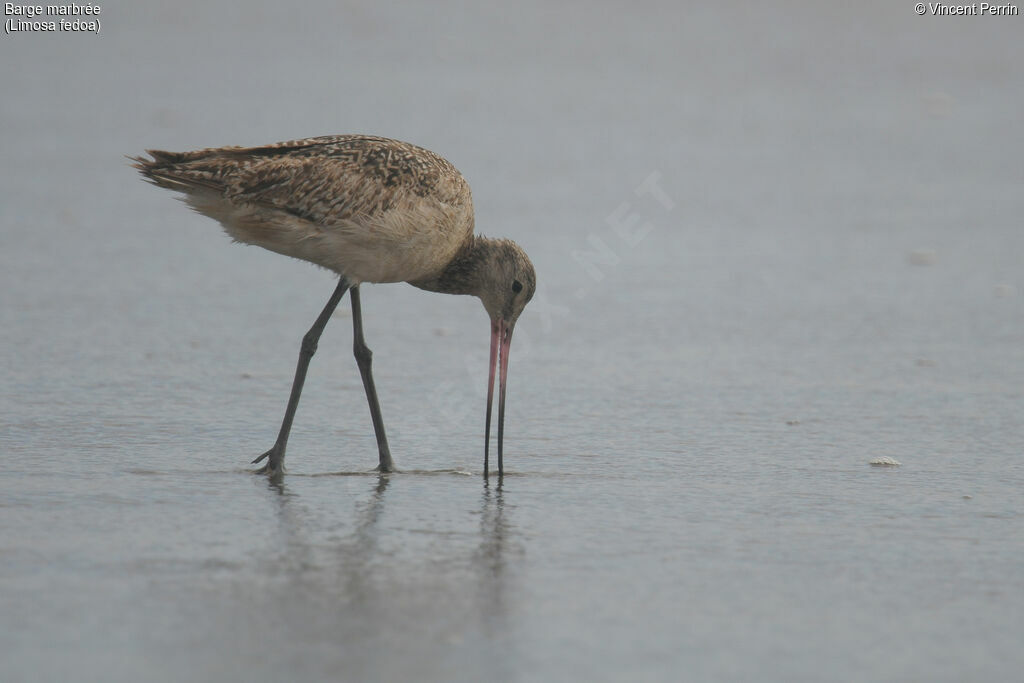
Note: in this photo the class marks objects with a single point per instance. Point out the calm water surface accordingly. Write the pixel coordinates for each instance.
(828, 273)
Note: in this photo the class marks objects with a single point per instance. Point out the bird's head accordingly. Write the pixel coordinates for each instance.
(507, 282)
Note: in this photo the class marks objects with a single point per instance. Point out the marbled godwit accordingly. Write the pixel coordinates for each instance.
(372, 210)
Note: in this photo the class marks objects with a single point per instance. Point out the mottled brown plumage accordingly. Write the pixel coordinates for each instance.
(369, 208)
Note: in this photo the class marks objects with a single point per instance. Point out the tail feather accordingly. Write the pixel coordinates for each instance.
(165, 157)
(178, 171)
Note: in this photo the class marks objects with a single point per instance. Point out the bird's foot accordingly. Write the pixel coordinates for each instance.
(386, 462)
(275, 461)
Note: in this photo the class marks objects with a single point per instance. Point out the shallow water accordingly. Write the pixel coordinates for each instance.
(817, 265)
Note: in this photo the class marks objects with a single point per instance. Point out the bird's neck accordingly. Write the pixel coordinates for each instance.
(463, 272)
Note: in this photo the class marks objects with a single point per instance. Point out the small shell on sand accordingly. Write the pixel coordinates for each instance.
(885, 461)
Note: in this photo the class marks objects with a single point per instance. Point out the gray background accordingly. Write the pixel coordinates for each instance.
(833, 276)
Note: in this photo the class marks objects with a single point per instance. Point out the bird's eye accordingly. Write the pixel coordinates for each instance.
(517, 286)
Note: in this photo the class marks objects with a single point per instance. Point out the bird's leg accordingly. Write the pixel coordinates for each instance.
(364, 358)
(275, 456)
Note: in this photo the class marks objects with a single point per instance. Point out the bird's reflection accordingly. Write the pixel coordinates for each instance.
(346, 559)
(356, 556)
(295, 556)
(493, 529)
(275, 482)
(492, 557)
(373, 577)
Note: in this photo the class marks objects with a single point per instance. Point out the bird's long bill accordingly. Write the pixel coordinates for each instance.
(501, 342)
